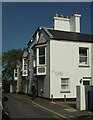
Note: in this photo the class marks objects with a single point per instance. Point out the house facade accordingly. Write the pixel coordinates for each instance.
(60, 58)
(21, 74)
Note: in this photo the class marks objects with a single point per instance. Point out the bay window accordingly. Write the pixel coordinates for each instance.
(41, 55)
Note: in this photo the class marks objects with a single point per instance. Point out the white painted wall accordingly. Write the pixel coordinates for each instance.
(64, 63)
(62, 24)
(65, 24)
(75, 23)
(92, 62)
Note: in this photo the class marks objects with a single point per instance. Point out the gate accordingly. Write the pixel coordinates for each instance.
(90, 100)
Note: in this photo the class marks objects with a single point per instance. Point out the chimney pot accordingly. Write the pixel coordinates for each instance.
(56, 15)
(75, 12)
(67, 17)
(61, 16)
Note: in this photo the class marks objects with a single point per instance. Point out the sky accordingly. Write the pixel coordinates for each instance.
(21, 19)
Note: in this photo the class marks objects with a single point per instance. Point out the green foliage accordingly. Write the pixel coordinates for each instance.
(12, 82)
(6, 85)
(9, 61)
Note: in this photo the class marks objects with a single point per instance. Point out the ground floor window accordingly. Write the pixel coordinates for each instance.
(65, 85)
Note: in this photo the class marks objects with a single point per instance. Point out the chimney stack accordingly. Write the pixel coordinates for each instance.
(75, 23)
(66, 24)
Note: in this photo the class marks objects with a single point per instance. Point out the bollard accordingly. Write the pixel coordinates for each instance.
(64, 98)
(52, 97)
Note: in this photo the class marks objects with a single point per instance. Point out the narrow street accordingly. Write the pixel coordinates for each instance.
(20, 108)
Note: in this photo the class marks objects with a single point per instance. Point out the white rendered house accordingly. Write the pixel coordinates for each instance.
(60, 58)
(21, 73)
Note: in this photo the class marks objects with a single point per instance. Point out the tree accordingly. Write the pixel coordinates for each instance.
(9, 61)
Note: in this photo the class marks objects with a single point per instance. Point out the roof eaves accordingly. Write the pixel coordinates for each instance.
(38, 44)
(48, 33)
(71, 40)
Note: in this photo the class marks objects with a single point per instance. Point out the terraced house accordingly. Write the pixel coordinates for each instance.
(59, 59)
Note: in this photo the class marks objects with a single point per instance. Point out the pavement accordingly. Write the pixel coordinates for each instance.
(65, 110)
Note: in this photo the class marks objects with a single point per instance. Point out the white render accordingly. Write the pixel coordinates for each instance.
(64, 63)
(24, 72)
(61, 59)
(66, 24)
(15, 77)
(92, 62)
(61, 24)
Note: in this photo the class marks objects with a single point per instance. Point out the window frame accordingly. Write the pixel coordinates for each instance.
(38, 56)
(82, 56)
(67, 84)
(15, 72)
(25, 64)
(84, 81)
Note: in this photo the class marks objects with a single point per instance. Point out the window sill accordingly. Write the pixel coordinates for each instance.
(65, 91)
(83, 66)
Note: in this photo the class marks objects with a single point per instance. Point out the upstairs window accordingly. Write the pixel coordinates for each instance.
(83, 56)
(25, 64)
(35, 58)
(41, 55)
(16, 72)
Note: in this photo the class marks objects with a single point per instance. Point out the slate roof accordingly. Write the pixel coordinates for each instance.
(71, 36)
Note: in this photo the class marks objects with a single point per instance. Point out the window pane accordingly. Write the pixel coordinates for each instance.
(35, 70)
(83, 60)
(15, 74)
(41, 51)
(64, 84)
(86, 82)
(25, 61)
(25, 67)
(83, 51)
(64, 87)
(83, 55)
(42, 60)
(16, 70)
(35, 54)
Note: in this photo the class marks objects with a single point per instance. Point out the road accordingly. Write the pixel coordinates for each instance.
(0, 103)
(20, 108)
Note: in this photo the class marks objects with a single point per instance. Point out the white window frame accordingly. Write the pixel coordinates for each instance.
(80, 57)
(65, 84)
(25, 64)
(38, 56)
(87, 79)
(15, 72)
(25, 71)
(35, 58)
